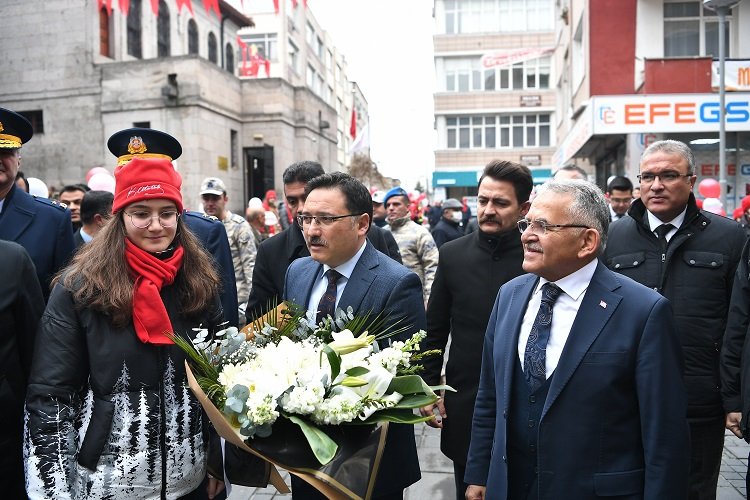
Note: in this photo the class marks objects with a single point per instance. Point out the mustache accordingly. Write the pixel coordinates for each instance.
(532, 247)
(317, 240)
(488, 218)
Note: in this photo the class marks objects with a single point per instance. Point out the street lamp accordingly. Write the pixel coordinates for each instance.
(722, 8)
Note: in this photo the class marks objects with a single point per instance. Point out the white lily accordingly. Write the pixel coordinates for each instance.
(345, 342)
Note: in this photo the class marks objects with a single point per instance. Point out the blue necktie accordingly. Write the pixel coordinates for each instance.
(535, 355)
(327, 304)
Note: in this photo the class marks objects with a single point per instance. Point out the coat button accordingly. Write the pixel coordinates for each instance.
(504, 459)
(617, 266)
(635, 263)
(531, 423)
(532, 399)
(713, 264)
(692, 261)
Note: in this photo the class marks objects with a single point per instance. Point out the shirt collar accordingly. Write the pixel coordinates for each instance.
(654, 221)
(85, 236)
(576, 283)
(347, 267)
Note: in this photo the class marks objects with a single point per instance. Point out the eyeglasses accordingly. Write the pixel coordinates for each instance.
(142, 220)
(664, 177)
(541, 227)
(323, 220)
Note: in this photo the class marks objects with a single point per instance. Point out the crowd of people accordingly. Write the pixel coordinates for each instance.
(595, 339)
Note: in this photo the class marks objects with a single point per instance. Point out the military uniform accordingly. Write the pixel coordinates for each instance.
(41, 226)
(242, 245)
(418, 250)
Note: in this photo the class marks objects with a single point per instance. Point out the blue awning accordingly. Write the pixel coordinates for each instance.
(471, 178)
(455, 179)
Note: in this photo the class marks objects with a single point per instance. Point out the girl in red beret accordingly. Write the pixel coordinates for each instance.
(109, 413)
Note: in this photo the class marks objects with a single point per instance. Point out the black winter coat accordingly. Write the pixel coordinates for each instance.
(110, 416)
(445, 231)
(470, 272)
(696, 275)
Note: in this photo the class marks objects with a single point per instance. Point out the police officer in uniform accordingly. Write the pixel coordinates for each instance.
(149, 143)
(41, 226)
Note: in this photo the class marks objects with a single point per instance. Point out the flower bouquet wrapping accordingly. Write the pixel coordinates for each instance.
(314, 399)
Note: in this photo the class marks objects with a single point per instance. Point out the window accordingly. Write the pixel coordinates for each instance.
(691, 30)
(319, 48)
(293, 56)
(233, 145)
(466, 74)
(265, 43)
(498, 131)
(310, 76)
(212, 49)
(229, 57)
(104, 33)
(192, 37)
(36, 118)
(309, 34)
(163, 44)
(490, 16)
(134, 29)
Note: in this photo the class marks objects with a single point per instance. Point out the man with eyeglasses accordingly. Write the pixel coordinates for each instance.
(277, 253)
(344, 270)
(470, 271)
(580, 395)
(690, 257)
(140, 142)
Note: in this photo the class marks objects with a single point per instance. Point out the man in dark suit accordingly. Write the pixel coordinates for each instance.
(39, 225)
(95, 209)
(133, 142)
(581, 392)
(276, 253)
(344, 266)
(470, 271)
(619, 195)
(21, 306)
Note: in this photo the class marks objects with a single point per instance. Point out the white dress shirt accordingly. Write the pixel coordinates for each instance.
(564, 313)
(321, 281)
(655, 222)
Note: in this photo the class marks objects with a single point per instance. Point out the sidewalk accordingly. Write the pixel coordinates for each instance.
(437, 472)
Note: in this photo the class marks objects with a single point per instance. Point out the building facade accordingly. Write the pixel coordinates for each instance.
(93, 71)
(495, 94)
(636, 71)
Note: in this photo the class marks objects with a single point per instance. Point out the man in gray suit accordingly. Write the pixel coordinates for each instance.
(345, 270)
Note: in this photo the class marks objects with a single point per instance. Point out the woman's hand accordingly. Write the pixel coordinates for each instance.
(214, 487)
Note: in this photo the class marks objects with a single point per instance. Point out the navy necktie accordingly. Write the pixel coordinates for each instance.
(535, 355)
(327, 304)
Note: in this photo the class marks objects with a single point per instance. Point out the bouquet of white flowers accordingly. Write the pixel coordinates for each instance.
(342, 371)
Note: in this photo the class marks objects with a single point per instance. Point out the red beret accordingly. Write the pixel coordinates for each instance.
(146, 179)
(745, 203)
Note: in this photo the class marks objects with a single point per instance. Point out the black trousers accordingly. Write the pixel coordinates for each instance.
(706, 448)
(458, 476)
(301, 490)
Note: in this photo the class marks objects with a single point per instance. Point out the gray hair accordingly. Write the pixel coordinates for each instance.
(589, 206)
(670, 146)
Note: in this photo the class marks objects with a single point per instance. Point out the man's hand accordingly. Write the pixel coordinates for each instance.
(475, 492)
(733, 423)
(429, 411)
(214, 487)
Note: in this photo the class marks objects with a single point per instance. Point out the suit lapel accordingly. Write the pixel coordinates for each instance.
(598, 305)
(515, 312)
(361, 279)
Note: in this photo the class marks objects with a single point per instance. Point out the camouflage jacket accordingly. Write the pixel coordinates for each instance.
(418, 250)
(242, 244)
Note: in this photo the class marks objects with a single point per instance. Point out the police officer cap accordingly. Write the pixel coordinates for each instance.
(15, 130)
(451, 203)
(143, 143)
(397, 191)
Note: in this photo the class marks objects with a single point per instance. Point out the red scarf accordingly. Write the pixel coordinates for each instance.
(149, 314)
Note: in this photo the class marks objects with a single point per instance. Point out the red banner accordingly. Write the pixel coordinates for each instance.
(155, 7)
(124, 7)
(276, 6)
(101, 3)
(353, 126)
(212, 5)
(186, 3)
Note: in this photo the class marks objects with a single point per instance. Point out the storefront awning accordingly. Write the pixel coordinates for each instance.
(455, 179)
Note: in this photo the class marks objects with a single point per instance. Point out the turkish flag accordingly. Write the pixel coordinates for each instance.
(353, 126)
(155, 7)
(125, 7)
(276, 6)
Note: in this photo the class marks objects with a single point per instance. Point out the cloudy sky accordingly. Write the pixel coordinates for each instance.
(388, 48)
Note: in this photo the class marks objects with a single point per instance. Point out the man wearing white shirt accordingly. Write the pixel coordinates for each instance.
(580, 394)
(619, 195)
(690, 257)
(344, 270)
